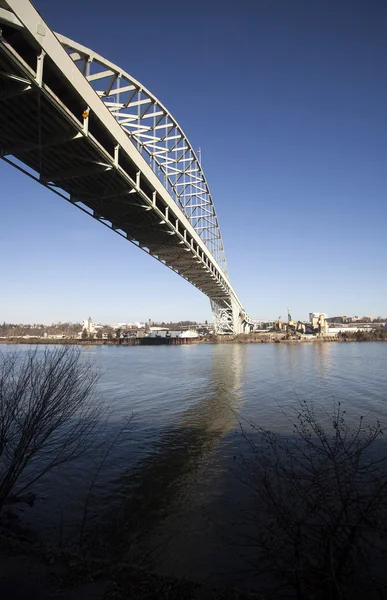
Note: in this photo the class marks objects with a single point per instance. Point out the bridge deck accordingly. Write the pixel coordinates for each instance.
(71, 145)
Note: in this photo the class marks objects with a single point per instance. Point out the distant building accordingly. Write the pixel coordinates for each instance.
(118, 326)
(319, 322)
(338, 319)
(89, 326)
(128, 326)
(167, 333)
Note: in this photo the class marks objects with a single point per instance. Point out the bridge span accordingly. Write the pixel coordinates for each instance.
(95, 136)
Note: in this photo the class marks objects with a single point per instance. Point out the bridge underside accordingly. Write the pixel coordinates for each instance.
(48, 132)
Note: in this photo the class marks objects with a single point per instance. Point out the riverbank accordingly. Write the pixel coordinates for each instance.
(273, 337)
(277, 337)
(34, 572)
(143, 341)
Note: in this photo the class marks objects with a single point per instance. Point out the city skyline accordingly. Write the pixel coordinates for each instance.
(296, 182)
(135, 323)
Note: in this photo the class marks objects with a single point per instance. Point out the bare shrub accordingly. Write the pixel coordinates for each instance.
(320, 504)
(49, 415)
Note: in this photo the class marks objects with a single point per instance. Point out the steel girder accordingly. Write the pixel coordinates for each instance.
(154, 160)
(159, 139)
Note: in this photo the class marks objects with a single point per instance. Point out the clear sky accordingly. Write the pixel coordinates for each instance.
(288, 101)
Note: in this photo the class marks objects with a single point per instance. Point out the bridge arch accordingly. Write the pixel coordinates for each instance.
(95, 136)
(159, 139)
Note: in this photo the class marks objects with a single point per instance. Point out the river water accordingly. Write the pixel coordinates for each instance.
(173, 477)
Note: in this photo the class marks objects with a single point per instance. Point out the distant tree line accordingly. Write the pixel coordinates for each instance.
(38, 329)
(175, 324)
(363, 336)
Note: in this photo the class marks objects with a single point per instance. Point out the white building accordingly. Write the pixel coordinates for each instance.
(128, 325)
(89, 326)
(118, 325)
(337, 329)
(168, 333)
(319, 322)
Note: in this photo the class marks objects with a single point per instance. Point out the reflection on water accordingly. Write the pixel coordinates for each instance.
(163, 478)
(322, 359)
(174, 470)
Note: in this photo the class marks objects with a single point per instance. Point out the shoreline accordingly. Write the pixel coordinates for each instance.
(269, 338)
(34, 570)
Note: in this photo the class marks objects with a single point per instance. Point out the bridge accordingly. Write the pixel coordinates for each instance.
(87, 130)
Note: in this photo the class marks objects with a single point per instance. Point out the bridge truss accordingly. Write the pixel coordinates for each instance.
(90, 132)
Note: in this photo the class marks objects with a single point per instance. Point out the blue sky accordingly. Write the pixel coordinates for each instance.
(288, 102)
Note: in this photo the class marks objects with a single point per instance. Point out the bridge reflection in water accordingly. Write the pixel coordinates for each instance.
(165, 485)
(181, 473)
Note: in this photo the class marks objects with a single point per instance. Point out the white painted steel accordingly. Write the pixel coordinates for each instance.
(158, 138)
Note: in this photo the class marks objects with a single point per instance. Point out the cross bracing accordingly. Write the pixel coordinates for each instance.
(92, 134)
(158, 137)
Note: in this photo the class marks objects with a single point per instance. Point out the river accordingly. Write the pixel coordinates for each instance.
(174, 476)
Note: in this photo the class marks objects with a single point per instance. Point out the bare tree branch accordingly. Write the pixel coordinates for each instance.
(320, 506)
(49, 414)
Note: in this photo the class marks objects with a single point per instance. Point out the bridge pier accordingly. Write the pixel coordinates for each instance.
(229, 318)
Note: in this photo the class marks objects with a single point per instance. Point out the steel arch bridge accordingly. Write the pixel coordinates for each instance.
(91, 133)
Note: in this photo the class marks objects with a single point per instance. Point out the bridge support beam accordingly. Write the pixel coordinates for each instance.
(227, 316)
